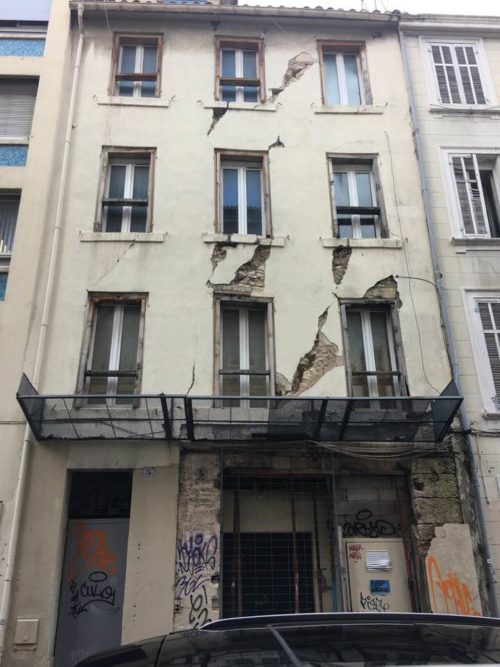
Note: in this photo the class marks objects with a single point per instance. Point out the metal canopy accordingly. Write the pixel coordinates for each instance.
(400, 419)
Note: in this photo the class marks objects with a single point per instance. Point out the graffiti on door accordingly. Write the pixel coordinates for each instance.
(196, 564)
(95, 588)
(449, 592)
(91, 552)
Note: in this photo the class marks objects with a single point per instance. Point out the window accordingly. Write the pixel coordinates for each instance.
(137, 66)
(243, 194)
(457, 73)
(486, 346)
(17, 104)
(114, 348)
(476, 179)
(126, 202)
(244, 355)
(9, 206)
(341, 72)
(370, 342)
(356, 212)
(239, 71)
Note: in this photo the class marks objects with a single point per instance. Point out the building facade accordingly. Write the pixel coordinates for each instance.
(455, 90)
(213, 433)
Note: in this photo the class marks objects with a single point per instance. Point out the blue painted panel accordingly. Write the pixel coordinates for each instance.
(3, 285)
(22, 47)
(12, 155)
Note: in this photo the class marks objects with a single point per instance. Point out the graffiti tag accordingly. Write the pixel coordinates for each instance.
(365, 526)
(372, 603)
(94, 589)
(449, 592)
(354, 551)
(196, 563)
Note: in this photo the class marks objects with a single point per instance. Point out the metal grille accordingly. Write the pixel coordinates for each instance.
(277, 544)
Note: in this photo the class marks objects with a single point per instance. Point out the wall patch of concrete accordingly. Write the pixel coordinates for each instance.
(340, 261)
(451, 576)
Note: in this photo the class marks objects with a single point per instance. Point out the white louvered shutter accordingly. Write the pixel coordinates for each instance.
(469, 74)
(17, 103)
(470, 195)
(489, 313)
(457, 74)
(445, 73)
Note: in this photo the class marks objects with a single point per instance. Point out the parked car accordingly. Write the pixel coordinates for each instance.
(318, 640)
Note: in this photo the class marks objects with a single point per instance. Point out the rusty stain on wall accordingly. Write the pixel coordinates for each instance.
(296, 68)
(340, 261)
(250, 275)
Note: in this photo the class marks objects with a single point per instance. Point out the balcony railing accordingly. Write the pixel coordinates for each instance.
(222, 419)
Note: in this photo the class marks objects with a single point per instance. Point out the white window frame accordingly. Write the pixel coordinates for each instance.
(343, 94)
(351, 169)
(471, 298)
(239, 46)
(6, 250)
(484, 72)
(243, 306)
(118, 304)
(451, 190)
(139, 41)
(242, 168)
(238, 65)
(365, 309)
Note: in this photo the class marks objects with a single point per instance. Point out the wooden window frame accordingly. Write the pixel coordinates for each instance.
(243, 302)
(128, 154)
(369, 161)
(260, 158)
(135, 39)
(95, 299)
(222, 42)
(349, 48)
(389, 306)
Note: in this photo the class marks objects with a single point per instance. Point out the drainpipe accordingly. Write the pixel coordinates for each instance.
(448, 337)
(42, 337)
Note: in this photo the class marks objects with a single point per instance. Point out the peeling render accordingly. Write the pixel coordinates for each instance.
(277, 144)
(296, 68)
(217, 114)
(250, 275)
(219, 254)
(340, 261)
(387, 288)
(321, 358)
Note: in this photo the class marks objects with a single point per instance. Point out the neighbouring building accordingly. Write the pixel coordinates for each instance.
(455, 87)
(240, 398)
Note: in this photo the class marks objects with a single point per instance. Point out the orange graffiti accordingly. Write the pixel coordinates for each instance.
(455, 594)
(91, 551)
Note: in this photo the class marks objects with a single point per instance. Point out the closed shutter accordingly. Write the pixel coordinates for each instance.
(445, 74)
(469, 75)
(489, 313)
(470, 194)
(457, 74)
(17, 103)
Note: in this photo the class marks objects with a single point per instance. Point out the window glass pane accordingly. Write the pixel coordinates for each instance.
(138, 219)
(102, 337)
(490, 201)
(363, 185)
(352, 79)
(230, 201)
(344, 226)
(3, 284)
(356, 353)
(128, 349)
(230, 339)
(257, 339)
(368, 228)
(341, 189)
(116, 181)
(148, 89)
(254, 201)
(250, 94)
(125, 88)
(127, 63)
(228, 93)
(141, 178)
(228, 63)
(332, 91)
(381, 352)
(250, 64)
(150, 60)
(113, 218)
(8, 221)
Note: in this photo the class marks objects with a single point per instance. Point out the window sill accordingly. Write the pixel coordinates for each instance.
(464, 109)
(241, 106)
(137, 237)
(14, 141)
(330, 242)
(492, 416)
(466, 244)
(346, 109)
(248, 239)
(115, 100)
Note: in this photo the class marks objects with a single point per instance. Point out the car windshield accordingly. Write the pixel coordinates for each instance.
(333, 645)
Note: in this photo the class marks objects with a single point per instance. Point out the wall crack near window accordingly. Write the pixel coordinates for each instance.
(296, 68)
(217, 114)
(340, 262)
(118, 260)
(250, 275)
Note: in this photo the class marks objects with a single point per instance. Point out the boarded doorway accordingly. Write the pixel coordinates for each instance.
(93, 580)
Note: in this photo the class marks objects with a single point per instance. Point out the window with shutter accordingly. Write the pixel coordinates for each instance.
(17, 104)
(457, 74)
(489, 315)
(477, 187)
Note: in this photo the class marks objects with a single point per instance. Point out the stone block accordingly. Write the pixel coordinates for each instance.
(437, 510)
(433, 465)
(435, 485)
